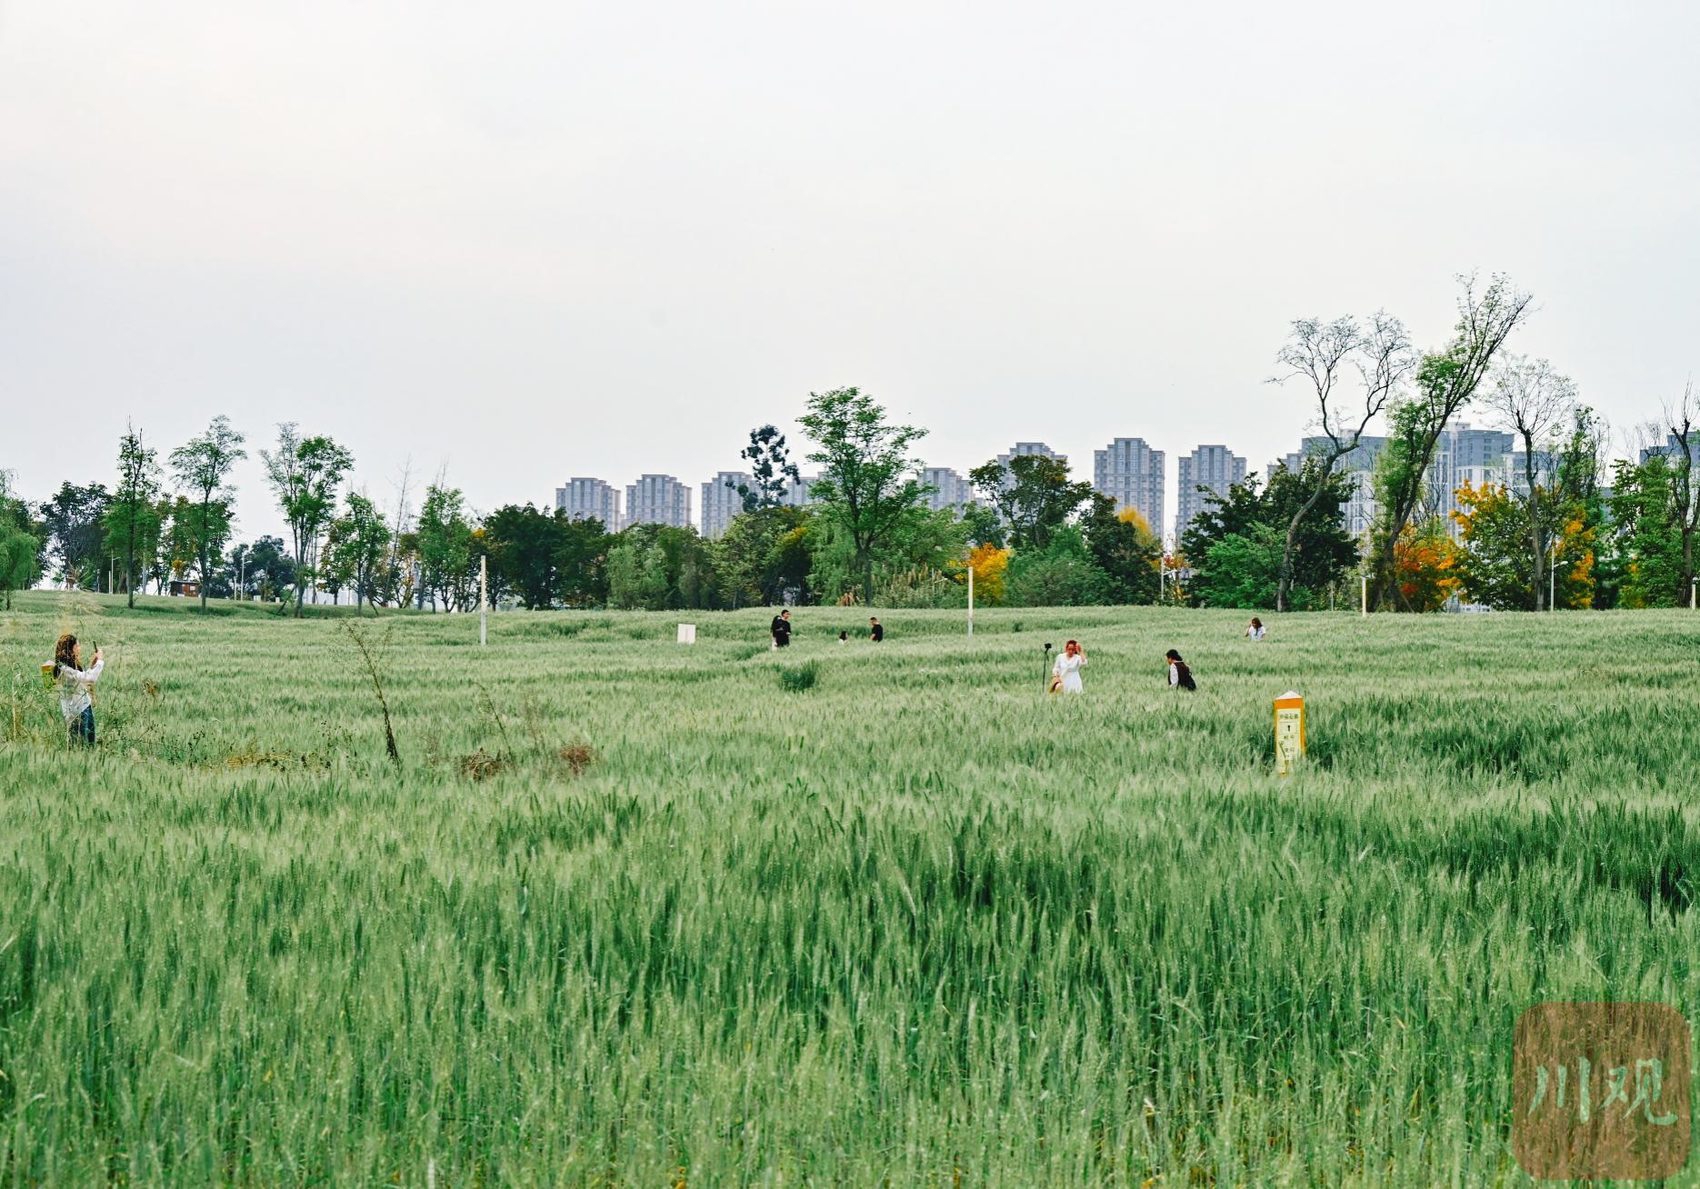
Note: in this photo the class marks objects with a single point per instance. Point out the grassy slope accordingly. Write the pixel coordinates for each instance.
(917, 920)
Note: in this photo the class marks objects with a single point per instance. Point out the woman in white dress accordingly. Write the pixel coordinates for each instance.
(1255, 631)
(1065, 674)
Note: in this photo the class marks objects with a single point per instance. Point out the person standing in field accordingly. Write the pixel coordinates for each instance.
(875, 631)
(781, 629)
(1255, 631)
(76, 687)
(1180, 677)
(1065, 674)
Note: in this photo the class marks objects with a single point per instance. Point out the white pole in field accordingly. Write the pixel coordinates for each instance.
(970, 596)
(1363, 593)
(483, 599)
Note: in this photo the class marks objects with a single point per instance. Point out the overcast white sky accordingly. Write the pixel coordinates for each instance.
(528, 241)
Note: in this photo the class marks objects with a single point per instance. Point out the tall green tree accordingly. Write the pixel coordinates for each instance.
(1445, 381)
(771, 469)
(305, 474)
(1323, 354)
(74, 522)
(356, 545)
(132, 521)
(1645, 540)
(202, 466)
(445, 546)
(1033, 494)
(1126, 550)
(524, 551)
(763, 554)
(1257, 515)
(263, 569)
(868, 477)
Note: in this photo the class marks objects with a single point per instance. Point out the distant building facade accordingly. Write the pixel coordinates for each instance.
(797, 492)
(590, 499)
(1358, 465)
(1023, 449)
(721, 502)
(1672, 449)
(1130, 472)
(658, 499)
(949, 489)
(1212, 468)
(1463, 455)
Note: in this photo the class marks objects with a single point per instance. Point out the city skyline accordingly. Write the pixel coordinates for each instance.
(478, 244)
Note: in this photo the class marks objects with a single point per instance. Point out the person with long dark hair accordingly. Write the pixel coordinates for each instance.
(1180, 677)
(76, 687)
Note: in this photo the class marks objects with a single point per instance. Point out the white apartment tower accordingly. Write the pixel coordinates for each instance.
(797, 492)
(590, 499)
(1131, 473)
(1213, 468)
(949, 489)
(721, 502)
(1021, 449)
(658, 499)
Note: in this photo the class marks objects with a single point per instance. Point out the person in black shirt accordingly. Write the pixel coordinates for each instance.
(875, 630)
(781, 629)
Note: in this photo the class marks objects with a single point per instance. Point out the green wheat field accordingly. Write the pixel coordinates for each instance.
(627, 912)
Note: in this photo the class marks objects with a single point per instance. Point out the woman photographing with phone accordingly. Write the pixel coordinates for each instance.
(76, 687)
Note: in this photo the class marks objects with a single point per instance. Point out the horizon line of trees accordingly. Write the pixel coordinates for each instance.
(1557, 536)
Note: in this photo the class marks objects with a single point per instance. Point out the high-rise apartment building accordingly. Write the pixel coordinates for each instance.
(721, 501)
(1022, 449)
(1208, 470)
(590, 499)
(1672, 449)
(1358, 465)
(949, 489)
(797, 493)
(1465, 455)
(658, 499)
(1131, 473)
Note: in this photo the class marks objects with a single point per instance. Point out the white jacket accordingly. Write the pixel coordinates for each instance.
(74, 688)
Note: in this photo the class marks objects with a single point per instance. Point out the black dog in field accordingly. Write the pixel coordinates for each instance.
(1180, 677)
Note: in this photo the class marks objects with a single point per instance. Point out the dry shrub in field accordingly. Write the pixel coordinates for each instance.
(281, 761)
(481, 765)
(578, 757)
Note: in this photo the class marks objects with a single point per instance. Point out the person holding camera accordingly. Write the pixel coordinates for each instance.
(76, 687)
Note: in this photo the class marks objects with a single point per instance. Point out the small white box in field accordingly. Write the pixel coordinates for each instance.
(687, 633)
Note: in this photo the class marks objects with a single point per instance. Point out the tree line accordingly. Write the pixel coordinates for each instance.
(1567, 531)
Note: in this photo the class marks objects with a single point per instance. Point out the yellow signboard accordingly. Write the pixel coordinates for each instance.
(1289, 732)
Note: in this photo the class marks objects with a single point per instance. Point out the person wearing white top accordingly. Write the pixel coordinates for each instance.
(1065, 674)
(76, 699)
(1255, 631)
